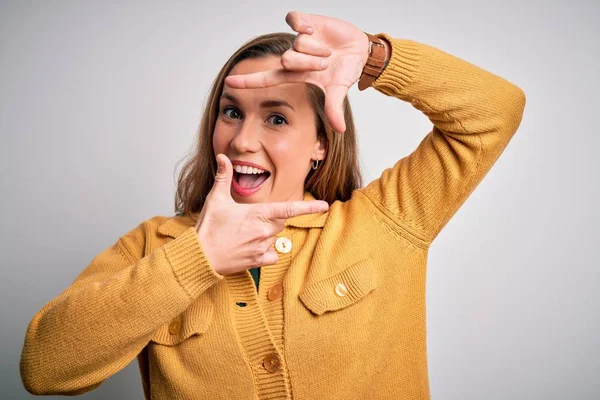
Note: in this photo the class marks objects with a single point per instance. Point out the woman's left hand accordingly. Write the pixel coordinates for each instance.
(328, 52)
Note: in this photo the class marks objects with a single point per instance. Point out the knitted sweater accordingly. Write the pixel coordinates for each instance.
(342, 313)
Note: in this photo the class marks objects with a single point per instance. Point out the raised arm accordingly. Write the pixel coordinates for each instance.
(474, 114)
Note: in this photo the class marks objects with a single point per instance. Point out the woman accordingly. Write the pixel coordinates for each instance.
(336, 309)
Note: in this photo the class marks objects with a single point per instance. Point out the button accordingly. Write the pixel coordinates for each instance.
(341, 289)
(283, 245)
(174, 327)
(275, 292)
(272, 363)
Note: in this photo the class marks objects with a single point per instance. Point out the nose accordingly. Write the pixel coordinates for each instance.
(247, 138)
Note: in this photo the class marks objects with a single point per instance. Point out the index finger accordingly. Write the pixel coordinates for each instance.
(265, 79)
(285, 210)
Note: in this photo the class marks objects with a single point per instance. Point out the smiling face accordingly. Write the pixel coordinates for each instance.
(269, 135)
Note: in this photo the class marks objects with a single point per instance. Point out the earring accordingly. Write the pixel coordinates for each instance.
(315, 164)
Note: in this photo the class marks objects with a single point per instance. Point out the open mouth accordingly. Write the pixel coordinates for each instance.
(248, 180)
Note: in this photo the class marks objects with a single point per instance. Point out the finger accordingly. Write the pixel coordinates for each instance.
(265, 79)
(268, 228)
(299, 22)
(270, 257)
(334, 107)
(222, 185)
(264, 245)
(285, 210)
(294, 61)
(307, 45)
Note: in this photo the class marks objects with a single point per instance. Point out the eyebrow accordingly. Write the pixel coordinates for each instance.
(264, 104)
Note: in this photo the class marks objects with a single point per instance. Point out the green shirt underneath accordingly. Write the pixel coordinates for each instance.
(255, 272)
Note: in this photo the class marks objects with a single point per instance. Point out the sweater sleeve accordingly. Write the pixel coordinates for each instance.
(109, 313)
(474, 114)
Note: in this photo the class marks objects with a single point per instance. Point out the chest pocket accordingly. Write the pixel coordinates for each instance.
(195, 320)
(340, 290)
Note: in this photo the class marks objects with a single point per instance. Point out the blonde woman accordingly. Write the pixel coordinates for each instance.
(281, 276)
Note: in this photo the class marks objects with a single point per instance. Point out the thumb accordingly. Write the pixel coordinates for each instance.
(224, 175)
(334, 107)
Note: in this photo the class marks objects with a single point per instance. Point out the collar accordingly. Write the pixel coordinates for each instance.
(175, 226)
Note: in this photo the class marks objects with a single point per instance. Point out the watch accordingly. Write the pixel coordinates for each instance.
(376, 62)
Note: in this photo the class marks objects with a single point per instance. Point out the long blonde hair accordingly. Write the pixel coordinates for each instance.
(337, 175)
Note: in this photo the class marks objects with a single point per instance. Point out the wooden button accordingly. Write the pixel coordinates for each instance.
(272, 363)
(341, 289)
(174, 327)
(275, 292)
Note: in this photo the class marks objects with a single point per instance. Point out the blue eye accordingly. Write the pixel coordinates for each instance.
(232, 113)
(277, 120)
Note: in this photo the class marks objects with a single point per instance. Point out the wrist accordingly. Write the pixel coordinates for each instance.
(378, 56)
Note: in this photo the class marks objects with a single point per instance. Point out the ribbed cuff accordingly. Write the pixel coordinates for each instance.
(190, 266)
(401, 68)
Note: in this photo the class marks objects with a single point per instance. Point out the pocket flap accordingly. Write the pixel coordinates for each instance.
(193, 321)
(340, 290)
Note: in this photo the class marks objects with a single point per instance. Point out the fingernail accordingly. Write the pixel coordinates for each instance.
(323, 64)
(309, 30)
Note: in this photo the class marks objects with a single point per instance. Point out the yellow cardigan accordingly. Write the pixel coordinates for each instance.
(340, 316)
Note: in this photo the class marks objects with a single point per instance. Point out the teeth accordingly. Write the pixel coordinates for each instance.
(244, 169)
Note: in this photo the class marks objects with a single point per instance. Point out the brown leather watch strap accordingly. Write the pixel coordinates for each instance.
(376, 62)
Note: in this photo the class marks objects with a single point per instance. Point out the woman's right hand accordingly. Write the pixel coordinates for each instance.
(236, 237)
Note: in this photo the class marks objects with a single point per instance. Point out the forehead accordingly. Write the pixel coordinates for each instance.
(251, 65)
(291, 92)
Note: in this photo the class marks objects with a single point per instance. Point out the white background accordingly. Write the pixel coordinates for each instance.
(99, 100)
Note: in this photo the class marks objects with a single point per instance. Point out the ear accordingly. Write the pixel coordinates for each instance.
(320, 149)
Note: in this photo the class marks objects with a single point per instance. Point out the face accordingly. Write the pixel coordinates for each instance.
(270, 136)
